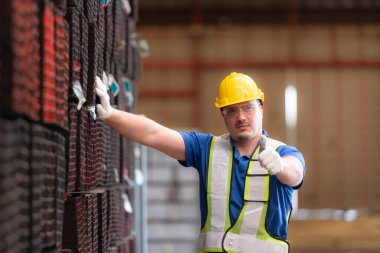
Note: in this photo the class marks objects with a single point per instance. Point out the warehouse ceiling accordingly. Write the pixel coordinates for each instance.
(258, 11)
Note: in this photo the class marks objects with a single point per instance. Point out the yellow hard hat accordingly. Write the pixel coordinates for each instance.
(237, 88)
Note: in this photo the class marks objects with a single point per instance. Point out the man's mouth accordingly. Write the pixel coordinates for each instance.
(241, 126)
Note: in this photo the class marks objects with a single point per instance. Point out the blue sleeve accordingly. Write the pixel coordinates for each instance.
(196, 149)
(292, 151)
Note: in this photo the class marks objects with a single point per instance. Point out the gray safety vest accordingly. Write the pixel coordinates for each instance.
(248, 234)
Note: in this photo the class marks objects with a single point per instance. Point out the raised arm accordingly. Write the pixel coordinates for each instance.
(139, 128)
(288, 169)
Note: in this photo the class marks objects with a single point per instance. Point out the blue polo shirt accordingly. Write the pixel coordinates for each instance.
(197, 154)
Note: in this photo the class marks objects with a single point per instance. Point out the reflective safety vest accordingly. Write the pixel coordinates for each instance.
(248, 234)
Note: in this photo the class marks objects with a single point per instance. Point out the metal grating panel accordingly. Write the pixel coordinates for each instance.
(19, 67)
(61, 69)
(14, 186)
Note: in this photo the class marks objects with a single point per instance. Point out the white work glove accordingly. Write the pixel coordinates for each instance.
(271, 160)
(104, 109)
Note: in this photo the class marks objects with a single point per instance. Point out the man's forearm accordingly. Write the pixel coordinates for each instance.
(134, 127)
(292, 174)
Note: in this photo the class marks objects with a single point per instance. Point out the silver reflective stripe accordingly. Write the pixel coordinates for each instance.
(273, 144)
(252, 216)
(255, 187)
(210, 239)
(219, 180)
(245, 243)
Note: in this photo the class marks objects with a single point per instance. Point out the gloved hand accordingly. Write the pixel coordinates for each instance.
(104, 109)
(271, 160)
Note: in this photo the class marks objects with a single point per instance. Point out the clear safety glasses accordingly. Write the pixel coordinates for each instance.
(234, 111)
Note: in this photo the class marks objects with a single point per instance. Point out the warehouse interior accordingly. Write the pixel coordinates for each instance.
(70, 183)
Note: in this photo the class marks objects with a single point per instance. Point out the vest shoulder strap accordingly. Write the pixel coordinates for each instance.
(273, 144)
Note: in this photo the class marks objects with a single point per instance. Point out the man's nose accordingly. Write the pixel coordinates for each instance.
(240, 114)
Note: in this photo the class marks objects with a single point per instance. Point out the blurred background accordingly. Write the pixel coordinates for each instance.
(324, 54)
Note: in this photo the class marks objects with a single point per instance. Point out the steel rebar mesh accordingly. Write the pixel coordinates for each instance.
(116, 217)
(44, 162)
(88, 222)
(60, 184)
(72, 149)
(48, 65)
(84, 53)
(73, 19)
(102, 218)
(101, 139)
(113, 158)
(100, 31)
(83, 131)
(19, 58)
(61, 69)
(95, 222)
(74, 225)
(14, 185)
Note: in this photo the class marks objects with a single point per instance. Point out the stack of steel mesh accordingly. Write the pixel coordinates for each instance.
(61, 69)
(48, 65)
(20, 68)
(61, 6)
(72, 149)
(102, 218)
(92, 62)
(74, 225)
(130, 47)
(120, 31)
(37, 188)
(125, 161)
(93, 209)
(14, 186)
(88, 222)
(115, 217)
(44, 161)
(73, 18)
(109, 36)
(83, 177)
(90, 154)
(90, 9)
(113, 158)
(84, 52)
(136, 63)
(100, 26)
(60, 187)
(101, 140)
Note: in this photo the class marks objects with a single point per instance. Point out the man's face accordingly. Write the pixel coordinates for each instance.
(243, 120)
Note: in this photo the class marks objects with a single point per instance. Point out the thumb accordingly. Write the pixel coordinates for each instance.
(100, 110)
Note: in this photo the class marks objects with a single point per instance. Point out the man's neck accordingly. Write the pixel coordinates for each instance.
(247, 147)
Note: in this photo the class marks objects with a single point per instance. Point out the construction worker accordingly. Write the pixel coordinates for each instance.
(246, 178)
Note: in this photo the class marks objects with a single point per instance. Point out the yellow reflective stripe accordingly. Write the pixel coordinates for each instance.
(207, 226)
(227, 220)
(214, 250)
(239, 222)
(233, 251)
(262, 233)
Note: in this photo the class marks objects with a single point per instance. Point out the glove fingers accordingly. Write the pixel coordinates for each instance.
(100, 110)
(101, 85)
(104, 98)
